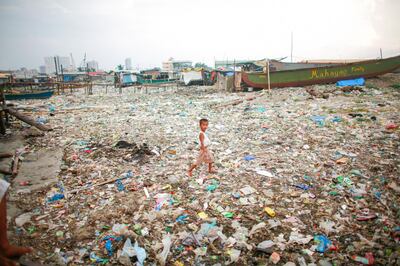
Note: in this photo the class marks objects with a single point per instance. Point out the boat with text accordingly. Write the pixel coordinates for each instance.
(320, 75)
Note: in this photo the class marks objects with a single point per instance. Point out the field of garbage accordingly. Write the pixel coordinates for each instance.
(301, 179)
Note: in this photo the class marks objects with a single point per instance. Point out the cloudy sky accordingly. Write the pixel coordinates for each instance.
(151, 31)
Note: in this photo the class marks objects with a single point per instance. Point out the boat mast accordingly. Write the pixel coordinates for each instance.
(269, 82)
(291, 46)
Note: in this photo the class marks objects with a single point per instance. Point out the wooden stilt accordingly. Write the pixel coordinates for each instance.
(27, 119)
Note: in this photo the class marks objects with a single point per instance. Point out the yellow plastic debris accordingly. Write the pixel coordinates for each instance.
(178, 263)
(202, 215)
(269, 211)
(166, 187)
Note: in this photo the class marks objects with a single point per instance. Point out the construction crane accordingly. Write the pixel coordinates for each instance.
(83, 66)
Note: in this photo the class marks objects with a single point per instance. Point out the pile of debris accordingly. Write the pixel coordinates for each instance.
(299, 180)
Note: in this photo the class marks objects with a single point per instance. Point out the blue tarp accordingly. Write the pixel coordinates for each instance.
(68, 78)
(351, 82)
(127, 79)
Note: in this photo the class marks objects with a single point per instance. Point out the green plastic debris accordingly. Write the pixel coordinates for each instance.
(31, 230)
(228, 214)
(345, 180)
(138, 229)
(333, 193)
(211, 188)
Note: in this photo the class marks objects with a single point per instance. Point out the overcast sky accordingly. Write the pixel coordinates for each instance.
(151, 31)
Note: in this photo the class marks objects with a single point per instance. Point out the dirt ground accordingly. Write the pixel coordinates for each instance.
(326, 167)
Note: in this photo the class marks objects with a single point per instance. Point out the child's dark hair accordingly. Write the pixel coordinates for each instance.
(203, 120)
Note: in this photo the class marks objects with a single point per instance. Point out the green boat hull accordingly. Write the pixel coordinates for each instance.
(29, 96)
(321, 75)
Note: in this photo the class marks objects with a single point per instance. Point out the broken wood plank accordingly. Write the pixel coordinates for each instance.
(107, 181)
(5, 154)
(27, 119)
(15, 164)
(5, 171)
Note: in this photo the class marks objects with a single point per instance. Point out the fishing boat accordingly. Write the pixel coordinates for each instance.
(29, 95)
(321, 75)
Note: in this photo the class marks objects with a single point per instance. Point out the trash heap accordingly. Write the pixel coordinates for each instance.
(300, 181)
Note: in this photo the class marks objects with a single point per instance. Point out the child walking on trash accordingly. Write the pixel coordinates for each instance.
(205, 154)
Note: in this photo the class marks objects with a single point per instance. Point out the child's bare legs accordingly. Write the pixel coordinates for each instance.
(191, 169)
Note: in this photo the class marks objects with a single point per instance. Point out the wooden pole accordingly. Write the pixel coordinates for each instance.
(2, 120)
(3, 103)
(291, 47)
(55, 64)
(234, 74)
(381, 52)
(5, 155)
(27, 119)
(5, 171)
(2, 124)
(269, 81)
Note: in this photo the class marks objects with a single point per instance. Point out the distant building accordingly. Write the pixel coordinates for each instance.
(60, 61)
(231, 63)
(5, 77)
(153, 72)
(49, 65)
(128, 64)
(173, 65)
(25, 73)
(93, 65)
(42, 69)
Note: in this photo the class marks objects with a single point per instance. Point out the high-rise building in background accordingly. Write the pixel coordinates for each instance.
(128, 64)
(42, 69)
(173, 65)
(93, 65)
(49, 65)
(61, 62)
(24, 73)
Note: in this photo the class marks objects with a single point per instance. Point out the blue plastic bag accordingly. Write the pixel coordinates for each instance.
(140, 253)
(319, 120)
(119, 185)
(55, 197)
(249, 157)
(351, 82)
(323, 243)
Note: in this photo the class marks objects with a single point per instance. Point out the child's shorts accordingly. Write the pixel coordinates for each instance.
(204, 157)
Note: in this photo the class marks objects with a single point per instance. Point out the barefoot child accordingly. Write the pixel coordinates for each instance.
(205, 155)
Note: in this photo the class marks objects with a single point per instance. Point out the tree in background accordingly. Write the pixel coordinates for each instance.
(199, 65)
